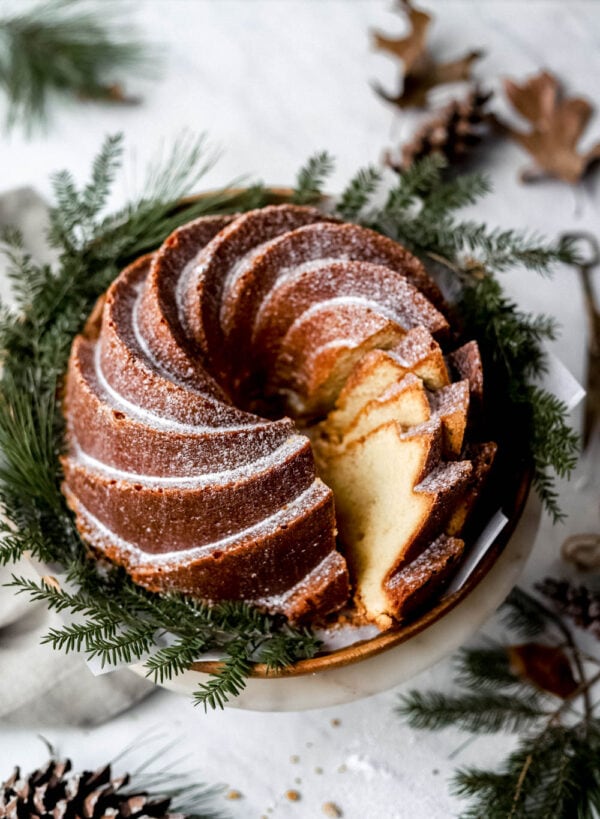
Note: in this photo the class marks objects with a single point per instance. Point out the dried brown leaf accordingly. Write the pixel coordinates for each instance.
(421, 71)
(412, 48)
(547, 667)
(557, 124)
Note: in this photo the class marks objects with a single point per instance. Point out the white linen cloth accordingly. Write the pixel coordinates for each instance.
(40, 686)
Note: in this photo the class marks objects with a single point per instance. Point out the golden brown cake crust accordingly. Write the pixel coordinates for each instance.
(172, 476)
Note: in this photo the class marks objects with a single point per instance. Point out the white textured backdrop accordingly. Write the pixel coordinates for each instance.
(271, 81)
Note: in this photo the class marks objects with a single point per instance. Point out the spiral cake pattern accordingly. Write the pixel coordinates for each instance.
(181, 464)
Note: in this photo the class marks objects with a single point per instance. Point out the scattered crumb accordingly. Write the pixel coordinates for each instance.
(233, 795)
(294, 758)
(435, 772)
(331, 809)
(318, 770)
(298, 781)
(335, 723)
(342, 769)
(293, 796)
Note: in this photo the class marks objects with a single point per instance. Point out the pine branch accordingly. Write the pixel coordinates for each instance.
(172, 660)
(28, 463)
(66, 49)
(358, 193)
(478, 713)
(101, 610)
(229, 681)
(77, 222)
(11, 545)
(285, 648)
(555, 769)
(484, 669)
(72, 219)
(111, 644)
(119, 622)
(523, 614)
(415, 183)
(537, 780)
(311, 179)
(511, 344)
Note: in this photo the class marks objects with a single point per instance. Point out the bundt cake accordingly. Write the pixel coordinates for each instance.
(227, 383)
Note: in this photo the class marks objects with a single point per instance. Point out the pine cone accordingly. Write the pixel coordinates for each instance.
(576, 602)
(451, 133)
(53, 792)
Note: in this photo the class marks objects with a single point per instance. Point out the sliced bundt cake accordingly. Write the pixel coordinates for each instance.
(182, 465)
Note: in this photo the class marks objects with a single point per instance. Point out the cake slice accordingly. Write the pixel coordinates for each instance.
(320, 350)
(482, 457)
(465, 364)
(415, 585)
(405, 402)
(451, 405)
(417, 352)
(392, 492)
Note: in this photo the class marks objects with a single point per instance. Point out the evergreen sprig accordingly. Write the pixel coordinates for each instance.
(311, 179)
(555, 769)
(67, 48)
(421, 212)
(358, 192)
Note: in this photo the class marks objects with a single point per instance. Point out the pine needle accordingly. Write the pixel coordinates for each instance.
(488, 712)
(311, 179)
(64, 48)
(358, 192)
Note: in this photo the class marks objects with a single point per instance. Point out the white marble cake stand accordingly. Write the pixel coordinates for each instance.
(374, 674)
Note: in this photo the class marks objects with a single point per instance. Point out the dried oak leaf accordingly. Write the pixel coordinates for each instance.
(547, 667)
(557, 125)
(421, 71)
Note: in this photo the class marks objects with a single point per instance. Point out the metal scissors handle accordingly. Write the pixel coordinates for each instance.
(585, 264)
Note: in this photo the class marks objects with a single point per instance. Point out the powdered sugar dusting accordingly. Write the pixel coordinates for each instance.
(221, 478)
(314, 577)
(311, 296)
(100, 536)
(144, 415)
(444, 477)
